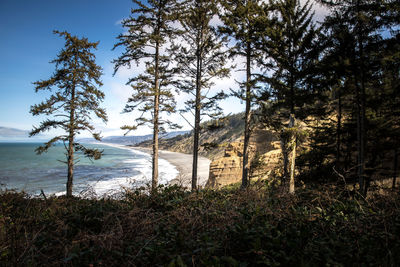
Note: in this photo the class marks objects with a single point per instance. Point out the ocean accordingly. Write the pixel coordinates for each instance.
(22, 169)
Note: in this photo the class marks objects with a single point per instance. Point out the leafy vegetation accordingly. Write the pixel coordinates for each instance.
(230, 227)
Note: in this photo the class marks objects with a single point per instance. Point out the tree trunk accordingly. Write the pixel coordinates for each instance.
(339, 129)
(285, 154)
(363, 186)
(154, 178)
(70, 165)
(395, 162)
(196, 145)
(362, 144)
(360, 141)
(292, 122)
(361, 110)
(247, 119)
(70, 157)
(290, 136)
(197, 117)
(360, 181)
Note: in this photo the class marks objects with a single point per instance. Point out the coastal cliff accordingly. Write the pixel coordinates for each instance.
(224, 147)
(228, 169)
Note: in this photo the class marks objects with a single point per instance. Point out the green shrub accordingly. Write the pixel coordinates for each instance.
(227, 227)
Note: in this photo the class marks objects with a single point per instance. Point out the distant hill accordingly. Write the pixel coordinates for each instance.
(230, 130)
(132, 140)
(12, 132)
(8, 134)
(213, 142)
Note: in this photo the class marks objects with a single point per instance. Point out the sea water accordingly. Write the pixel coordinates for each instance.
(120, 167)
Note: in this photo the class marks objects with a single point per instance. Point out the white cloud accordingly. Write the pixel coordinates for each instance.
(216, 21)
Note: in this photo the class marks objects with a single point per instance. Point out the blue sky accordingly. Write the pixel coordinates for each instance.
(28, 45)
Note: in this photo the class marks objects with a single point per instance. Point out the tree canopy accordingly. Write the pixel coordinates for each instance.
(76, 96)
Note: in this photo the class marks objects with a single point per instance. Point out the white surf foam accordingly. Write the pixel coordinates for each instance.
(143, 165)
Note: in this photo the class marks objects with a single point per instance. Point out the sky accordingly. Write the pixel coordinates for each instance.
(28, 45)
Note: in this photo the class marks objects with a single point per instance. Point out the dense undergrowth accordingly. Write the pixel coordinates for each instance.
(229, 227)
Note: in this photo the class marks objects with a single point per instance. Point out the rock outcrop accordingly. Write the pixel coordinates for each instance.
(228, 169)
(269, 162)
(271, 158)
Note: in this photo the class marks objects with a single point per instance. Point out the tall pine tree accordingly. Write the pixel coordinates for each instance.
(149, 28)
(76, 96)
(200, 59)
(242, 20)
(291, 46)
(370, 27)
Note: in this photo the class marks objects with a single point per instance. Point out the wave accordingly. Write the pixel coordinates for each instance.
(143, 165)
(115, 171)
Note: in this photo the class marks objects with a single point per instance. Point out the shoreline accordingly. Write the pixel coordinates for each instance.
(174, 169)
(183, 163)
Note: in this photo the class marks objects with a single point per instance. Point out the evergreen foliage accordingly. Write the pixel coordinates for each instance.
(149, 28)
(242, 22)
(75, 97)
(142, 100)
(291, 45)
(359, 38)
(200, 58)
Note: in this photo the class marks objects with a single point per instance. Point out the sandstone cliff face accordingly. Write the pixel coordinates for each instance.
(269, 162)
(228, 169)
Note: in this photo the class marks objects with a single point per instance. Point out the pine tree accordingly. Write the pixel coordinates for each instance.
(200, 58)
(383, 91)
(242, 21)
(336, 70)
(149, 28)
(330, 120)
(367, 49)
(389, 101)
(292, 48)
(76, 95)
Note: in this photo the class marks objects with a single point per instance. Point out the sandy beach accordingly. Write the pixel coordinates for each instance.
(183, 163)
